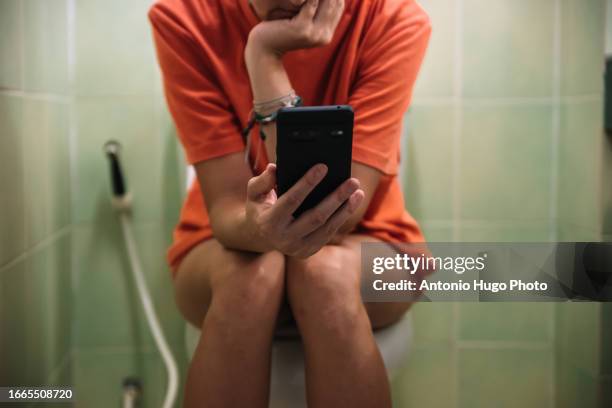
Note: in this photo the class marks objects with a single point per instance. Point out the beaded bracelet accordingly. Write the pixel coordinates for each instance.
(261, 119)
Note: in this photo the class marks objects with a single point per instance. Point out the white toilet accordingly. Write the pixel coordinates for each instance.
(288, 388)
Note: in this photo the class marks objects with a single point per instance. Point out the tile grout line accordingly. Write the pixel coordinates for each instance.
(554, 209)
(42, 244)
(601, 196)
(506, 101)
(72, 147)
(24, 229)
(35, 95)
(458, 118)
(556, 122)
(454, 352)
(456, 178)
(503, 344)
(57, 370)
(22, 45)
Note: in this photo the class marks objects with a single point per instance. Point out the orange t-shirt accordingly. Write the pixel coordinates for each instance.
(371, 64)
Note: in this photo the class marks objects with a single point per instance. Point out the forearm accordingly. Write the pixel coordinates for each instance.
(269, 81)
(232, 229)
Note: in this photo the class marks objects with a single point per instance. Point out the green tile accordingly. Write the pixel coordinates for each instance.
(132, 67)
(437, 231)
(580, 160)
(53, 267)
(578, 335)
(582, 46)
(608, 28)
(606, 338)
(47, 168)
(508, 48)
(426, 371)
(575, 388)
(36, 323)
(99, 375)
(428, 162)
(505, 163)
(573, 233)
(433, 324)
(505, 378)
(607, 175)
(45, 46)
(131, 121)
(506, 322)
(16, 363)
(10, 45)
(12, 221)
(62, 374)
(48, 309)
(537, 231)
(436, 76)
(108, 312)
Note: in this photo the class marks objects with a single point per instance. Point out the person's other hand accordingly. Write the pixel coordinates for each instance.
(272, 218)
(313, 26)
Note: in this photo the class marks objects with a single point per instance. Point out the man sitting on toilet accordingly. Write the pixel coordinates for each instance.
(241, 264)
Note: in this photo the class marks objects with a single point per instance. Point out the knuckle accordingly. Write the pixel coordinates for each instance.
(317, 218)
(330, 228)
(319, 39)
(251, 183)
(293, 200)
(326, 37)
(304, 31)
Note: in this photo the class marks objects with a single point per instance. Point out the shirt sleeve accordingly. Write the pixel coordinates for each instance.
(204, 119)
(392, 52)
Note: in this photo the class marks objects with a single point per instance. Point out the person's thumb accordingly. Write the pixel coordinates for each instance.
(262, 184)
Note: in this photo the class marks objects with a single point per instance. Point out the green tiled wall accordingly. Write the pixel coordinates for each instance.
(504, 143)
(74, 74)
(35, 198)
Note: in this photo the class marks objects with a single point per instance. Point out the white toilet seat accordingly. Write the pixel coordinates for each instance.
(287, 380)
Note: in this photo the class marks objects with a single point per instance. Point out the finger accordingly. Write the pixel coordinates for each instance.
(308, 11)
(286, 205)
(262, 184)
(317, 216)
(325, 233)
(328, 13)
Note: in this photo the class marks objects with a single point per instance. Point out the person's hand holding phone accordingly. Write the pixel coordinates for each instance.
(272, 219)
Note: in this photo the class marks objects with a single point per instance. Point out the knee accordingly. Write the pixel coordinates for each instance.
(249, 287)
(324, 288)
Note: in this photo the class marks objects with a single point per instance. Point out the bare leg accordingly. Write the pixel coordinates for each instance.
(344, 367)
(235, 298)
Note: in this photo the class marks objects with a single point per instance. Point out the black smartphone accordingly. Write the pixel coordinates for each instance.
(309, 135)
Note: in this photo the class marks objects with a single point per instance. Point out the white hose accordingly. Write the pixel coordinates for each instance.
(156, 331)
